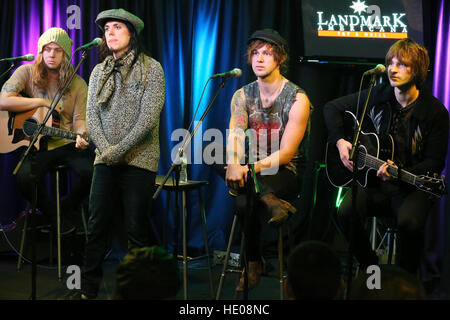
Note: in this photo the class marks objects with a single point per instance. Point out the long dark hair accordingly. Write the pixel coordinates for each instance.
(134, 44)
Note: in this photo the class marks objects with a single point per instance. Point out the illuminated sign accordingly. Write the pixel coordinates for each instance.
(364, 22)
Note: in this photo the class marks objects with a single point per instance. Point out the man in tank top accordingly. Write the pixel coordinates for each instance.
(273, 113)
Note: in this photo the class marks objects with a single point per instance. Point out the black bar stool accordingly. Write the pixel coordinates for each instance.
(280, 245)
(388, 242)
(183, 188)
(58, 170)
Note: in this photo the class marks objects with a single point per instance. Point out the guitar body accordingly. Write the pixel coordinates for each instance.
(11, 134)
(378, 146)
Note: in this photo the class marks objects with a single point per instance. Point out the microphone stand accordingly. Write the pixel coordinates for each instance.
(34, 176)
(354, 157)
(176, 165)
(13, 65)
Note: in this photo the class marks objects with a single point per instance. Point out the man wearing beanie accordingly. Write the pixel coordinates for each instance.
(33, 87)
(277, 113)
(125, 99)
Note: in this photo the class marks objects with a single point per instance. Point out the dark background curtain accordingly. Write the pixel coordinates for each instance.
(193, 39)
(441, 85)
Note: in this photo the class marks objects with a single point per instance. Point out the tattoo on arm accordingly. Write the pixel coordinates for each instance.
(238, 125)
(239, 117)
(10, 87)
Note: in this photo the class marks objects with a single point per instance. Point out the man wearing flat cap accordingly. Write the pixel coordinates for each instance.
(125, 99)
(33, 87)
(275, 113)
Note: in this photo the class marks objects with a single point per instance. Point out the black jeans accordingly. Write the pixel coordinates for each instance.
(131, 189)
(409, 209)
(80, 164)
(285, 185)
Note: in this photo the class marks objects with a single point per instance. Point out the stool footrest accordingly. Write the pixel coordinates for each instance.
(191, 258)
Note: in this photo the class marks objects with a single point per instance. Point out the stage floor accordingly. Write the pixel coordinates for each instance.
(16, 285)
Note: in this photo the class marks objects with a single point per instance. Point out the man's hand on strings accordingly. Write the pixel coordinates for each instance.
(383, 171)
(81, 143)
(344, 148)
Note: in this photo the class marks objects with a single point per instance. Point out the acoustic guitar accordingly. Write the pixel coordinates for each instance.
(11, 123)
(373, 151)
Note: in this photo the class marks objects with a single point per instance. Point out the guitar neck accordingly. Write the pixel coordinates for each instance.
(375, 163)
(50, 131)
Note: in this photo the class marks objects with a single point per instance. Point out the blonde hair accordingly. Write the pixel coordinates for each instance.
(40, 72)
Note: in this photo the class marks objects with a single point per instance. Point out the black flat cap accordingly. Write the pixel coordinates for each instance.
(269, 35)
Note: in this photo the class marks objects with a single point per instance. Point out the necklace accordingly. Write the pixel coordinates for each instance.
(268, 100)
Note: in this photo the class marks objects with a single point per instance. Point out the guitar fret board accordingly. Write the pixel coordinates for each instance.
(30, 127)
(62, 133)
(375, 163)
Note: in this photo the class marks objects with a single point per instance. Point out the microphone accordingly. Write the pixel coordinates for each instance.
(233, 73)
(379, 69)
(28, 57)
(94, 43)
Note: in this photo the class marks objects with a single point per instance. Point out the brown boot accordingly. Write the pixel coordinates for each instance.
(280, 209)
(255, 270)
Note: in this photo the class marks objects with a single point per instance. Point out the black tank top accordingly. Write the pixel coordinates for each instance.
(269, 123)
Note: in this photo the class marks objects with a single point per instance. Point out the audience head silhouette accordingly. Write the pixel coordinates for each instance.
(314, 272)
(147, 273)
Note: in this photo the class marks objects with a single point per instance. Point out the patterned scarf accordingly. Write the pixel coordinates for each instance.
(106, 84)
